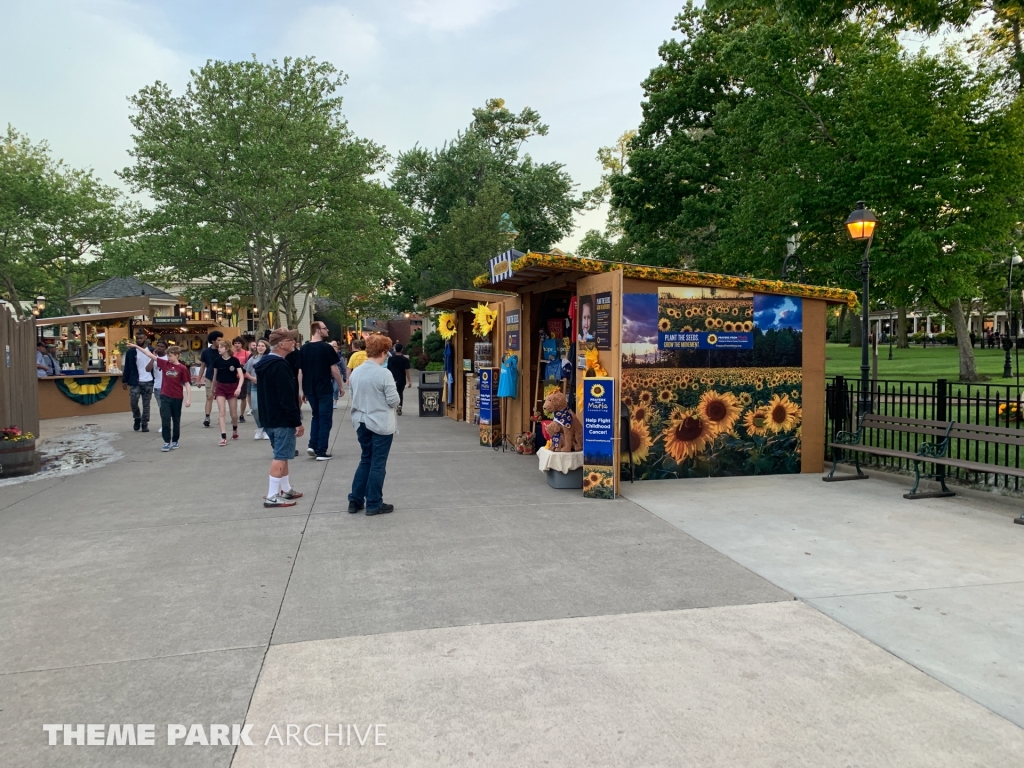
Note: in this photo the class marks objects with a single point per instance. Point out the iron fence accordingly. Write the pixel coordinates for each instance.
(988, 404)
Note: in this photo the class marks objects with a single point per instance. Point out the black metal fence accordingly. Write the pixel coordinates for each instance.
(941, 400)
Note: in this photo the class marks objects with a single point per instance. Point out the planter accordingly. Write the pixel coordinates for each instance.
(18, 457)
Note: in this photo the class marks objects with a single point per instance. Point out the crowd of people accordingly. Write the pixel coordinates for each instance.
(270, 379)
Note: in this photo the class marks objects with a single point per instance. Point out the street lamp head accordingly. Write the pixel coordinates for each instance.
(1016, 260)
(861, 223)
(41, 302)
(213, 304)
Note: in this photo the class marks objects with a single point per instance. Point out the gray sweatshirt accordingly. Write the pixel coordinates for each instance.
(374, 398)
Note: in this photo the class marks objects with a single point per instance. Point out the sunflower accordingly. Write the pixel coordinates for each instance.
(627, 401)
(758, 386)
(594, 478)
(727, 327)
(794, 395)
(446, 325)
(608, 482)
(689, 312)
(645, 397)
(745, 398)
(664, 324)
(687, 434)
(783, 415)
(597, 391)
(641, 414)
(709, 322)
(748, 326)
(756, 423)
(586, 483)
(735, 310)
(721, 409)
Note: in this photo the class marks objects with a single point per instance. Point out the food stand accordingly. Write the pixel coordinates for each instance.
(90, 350)
(674, 373)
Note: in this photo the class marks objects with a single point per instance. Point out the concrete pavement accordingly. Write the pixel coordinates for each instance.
(494, 621)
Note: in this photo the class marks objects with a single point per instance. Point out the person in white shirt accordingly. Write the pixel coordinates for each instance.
(158, 376)
(138, 376)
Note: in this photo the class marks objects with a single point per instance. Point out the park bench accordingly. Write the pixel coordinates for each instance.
(933, 450)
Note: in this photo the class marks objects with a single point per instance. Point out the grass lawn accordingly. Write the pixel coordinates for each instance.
(919, 363)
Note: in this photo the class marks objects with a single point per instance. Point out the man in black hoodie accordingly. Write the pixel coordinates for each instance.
(280, 413)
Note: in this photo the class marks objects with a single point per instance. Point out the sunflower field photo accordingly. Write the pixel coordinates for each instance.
(598, 482)
(704, 310)
(711, 422)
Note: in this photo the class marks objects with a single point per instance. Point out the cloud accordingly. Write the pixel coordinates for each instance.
(453, 15)
(777, 312)
(72, 88)
(332, 33)
(640, 318)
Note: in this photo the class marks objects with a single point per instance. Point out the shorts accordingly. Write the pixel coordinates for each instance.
(282, 440)
(245, 389)
(225, 390)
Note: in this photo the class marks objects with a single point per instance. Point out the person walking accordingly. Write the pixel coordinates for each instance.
(240, 351)
(277, 394)
(400, 368)
(342, 369)
(374, 399)
(319, 366)
(358, 357)
(262, 347)
(207, 359)
(227, 385)
(138, 377)
(158, 377)
(176, 389)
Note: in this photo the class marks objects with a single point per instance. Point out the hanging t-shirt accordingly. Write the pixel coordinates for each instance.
(553, 370)
(549, 349)
(175, 376)
(508, 382)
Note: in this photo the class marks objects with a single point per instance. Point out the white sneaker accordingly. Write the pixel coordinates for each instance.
(265, 435)
(249, 412)
(258, 435)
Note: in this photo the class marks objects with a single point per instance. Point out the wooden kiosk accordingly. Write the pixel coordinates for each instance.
(712, 375)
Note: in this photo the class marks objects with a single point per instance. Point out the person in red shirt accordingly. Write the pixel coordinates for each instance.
(176, 389)
(240, 351)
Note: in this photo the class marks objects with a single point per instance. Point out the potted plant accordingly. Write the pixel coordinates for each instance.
(17, 452)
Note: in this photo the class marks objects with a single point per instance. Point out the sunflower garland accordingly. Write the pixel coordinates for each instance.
(446, 325)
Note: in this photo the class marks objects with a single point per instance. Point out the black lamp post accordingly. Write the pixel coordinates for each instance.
(890, 333)
(861, 226)
(1007, 340)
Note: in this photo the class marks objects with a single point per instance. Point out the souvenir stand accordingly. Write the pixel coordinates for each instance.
(465, 353)
(675, 373)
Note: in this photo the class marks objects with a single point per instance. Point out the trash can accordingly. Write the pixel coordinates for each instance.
(431, 393)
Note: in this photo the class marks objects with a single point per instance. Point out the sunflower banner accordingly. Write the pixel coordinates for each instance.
(599, 438)
(446, 325)
(86, 391)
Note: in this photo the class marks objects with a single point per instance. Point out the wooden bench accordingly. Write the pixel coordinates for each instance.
(933, 451)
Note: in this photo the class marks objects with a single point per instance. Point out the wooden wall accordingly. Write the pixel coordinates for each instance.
(812, 434)
(18, 381)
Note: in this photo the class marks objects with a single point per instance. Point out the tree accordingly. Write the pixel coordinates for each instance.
(611, 243)
(259, 185)
(458, 189)
(55, 224)
(759, 133)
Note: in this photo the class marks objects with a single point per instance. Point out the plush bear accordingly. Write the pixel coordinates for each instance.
(566, 428)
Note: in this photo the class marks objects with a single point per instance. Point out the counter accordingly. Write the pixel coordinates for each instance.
(82, 395)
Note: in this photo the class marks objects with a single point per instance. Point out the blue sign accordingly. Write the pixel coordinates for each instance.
(489, 412)
(704, 340)
(599, 422)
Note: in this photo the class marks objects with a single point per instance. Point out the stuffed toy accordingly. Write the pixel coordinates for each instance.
(565, 428)
(524, 443)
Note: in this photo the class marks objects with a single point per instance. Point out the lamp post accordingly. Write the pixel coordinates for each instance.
(890, 333)
(861, 226)
(1007, 341)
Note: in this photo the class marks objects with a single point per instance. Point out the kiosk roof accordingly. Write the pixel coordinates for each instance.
(459, 298)
(555, 270)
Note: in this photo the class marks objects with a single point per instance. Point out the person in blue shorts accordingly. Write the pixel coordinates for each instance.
(277, 392)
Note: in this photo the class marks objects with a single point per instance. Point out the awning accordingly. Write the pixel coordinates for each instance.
(535, 272)
(95, 317)
(459, 298)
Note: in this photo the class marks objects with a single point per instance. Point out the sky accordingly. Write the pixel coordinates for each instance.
(416, 67)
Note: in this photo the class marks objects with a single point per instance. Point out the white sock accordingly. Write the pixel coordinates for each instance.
(275, 487)
(285, 485)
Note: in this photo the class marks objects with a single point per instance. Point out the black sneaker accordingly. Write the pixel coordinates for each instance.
(353, 507)
(145, 427)
(241, 418)
(383, 509)
(206, 421)
(325, 457)
(138, 423)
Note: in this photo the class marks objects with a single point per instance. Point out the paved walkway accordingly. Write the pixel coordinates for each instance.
(494, 621)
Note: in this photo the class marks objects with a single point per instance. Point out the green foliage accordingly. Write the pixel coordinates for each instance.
(55, 223)
(433, 345)
(461, 191)
(261, 188)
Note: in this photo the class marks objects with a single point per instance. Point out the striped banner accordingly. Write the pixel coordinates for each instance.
(86, 391)
(501, 266)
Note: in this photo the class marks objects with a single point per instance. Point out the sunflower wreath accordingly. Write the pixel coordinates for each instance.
(446, 325)
(483, 320)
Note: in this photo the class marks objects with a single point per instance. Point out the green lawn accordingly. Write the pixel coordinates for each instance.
(919, 363)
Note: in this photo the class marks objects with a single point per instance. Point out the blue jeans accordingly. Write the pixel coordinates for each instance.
(320, 424)
(282, 442)
(368, 484)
